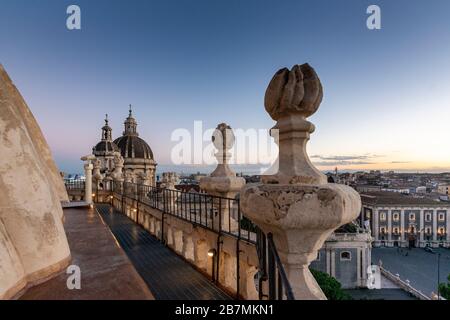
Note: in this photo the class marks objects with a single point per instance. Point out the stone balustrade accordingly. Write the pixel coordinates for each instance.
(236, 260)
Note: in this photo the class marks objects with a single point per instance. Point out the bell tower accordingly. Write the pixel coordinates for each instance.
(130, 125)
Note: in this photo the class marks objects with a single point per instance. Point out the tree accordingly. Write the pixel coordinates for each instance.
(444, 289)
(330, 286)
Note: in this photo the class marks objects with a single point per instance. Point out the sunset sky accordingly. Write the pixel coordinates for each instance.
(386, 92)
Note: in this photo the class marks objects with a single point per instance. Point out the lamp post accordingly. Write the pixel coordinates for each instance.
(212, 254)
(438, 277)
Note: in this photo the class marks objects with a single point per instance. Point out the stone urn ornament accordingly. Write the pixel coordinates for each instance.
(168, 181)
(96, 173)
(296, 204)
(223, 181)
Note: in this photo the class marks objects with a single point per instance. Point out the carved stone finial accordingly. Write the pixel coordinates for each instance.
(223, 139)
(291, 97)
(169, 180)
(296, 91)
(117, 173)
(296, 205)
(96, 174)
(223, 181)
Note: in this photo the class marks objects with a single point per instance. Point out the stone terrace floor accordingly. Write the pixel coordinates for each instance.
(168, 275)
(106, 271)
(417, 265)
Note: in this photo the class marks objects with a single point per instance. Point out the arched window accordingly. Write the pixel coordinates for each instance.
(395, 216)
(346, 255)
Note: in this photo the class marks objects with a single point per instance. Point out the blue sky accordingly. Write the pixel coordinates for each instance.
(386, 97)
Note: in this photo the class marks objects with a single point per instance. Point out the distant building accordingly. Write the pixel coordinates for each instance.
(139, 164)
(367, 188)
(400, 220)
(443, 189)
(398, 190)
(346, 257)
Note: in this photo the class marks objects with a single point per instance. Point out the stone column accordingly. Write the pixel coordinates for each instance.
(88, 167)
(364, 267)
(223, 181)
(296, 204)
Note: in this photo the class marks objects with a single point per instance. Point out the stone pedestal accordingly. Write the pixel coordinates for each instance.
(88, 167)
(168, 182)
(223, 181)
(96, 174)
(296, 204)
(117, 174)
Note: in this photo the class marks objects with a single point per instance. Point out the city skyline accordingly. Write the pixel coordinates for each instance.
(378, 111)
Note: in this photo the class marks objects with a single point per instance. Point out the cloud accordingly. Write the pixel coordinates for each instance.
(345, 160)
(340, 163)
(366, 157)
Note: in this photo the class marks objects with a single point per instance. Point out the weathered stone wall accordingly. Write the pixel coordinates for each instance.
(35, 133)
(33, 244)
(193, 243)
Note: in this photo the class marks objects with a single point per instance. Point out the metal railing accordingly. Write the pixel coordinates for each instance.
(217, 214)
(74, 184)
(222, 216)
(272, 270)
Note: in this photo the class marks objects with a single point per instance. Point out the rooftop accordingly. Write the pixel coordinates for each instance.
(101, 260)
(395, 198)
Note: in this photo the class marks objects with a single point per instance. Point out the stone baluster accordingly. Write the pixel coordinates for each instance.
(223, 181)
(296, 204)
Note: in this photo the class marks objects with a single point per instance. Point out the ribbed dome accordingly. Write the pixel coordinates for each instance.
(105, 146)
(131, 146)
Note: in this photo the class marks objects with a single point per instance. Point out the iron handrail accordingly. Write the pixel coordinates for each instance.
(74, 184)
(201, 209)
(281, 272)
(180, 205)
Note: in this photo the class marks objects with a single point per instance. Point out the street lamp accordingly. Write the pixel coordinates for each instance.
(212, 253)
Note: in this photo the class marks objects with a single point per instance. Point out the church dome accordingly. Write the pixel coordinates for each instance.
(132, 146)
(106, 145)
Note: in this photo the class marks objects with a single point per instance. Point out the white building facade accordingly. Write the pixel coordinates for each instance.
(418, 224)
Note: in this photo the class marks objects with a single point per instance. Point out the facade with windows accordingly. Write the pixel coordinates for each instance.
(403, 221)
(346, 256)
(444, 189)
